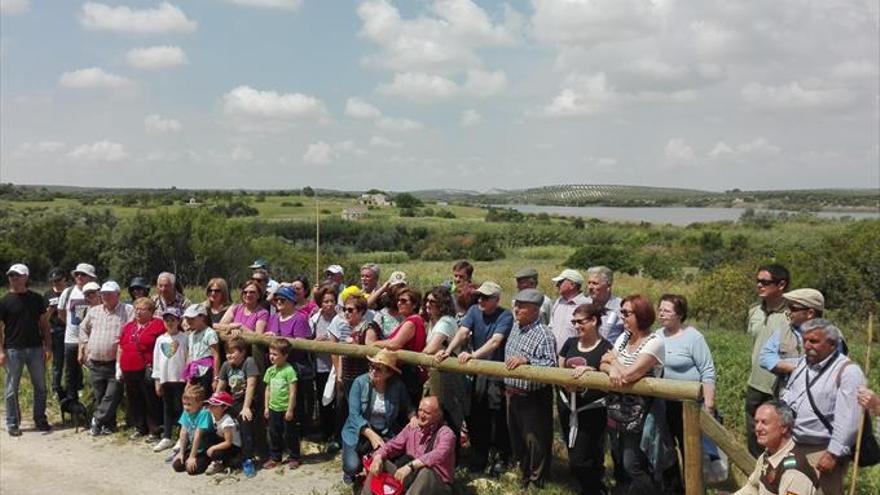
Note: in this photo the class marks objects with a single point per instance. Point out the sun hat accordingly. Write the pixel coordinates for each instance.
(569, 274)
(139, 283)
(86, 269)
(259, 263)
(387, 358)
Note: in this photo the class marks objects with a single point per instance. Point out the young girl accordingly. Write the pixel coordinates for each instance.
(227, 452)
(196, 426)
(169, 361)
(203, 358)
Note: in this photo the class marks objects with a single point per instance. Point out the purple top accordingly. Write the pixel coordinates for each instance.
(297, 327)
(249, 320)
(413, 441)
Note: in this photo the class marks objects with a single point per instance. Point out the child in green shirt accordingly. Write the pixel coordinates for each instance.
(280, 403)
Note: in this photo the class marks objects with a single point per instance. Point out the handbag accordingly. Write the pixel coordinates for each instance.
(626, 411)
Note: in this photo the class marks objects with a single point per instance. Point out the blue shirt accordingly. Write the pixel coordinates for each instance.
(688, 357)
(201, 420)
(483, 327)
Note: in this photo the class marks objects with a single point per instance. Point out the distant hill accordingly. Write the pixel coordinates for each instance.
(577, 195)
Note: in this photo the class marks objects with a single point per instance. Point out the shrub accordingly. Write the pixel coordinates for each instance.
(613, 257)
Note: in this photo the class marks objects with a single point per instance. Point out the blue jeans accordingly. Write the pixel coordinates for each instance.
(16, 360)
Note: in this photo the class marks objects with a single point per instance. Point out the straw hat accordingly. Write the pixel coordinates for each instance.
(386, 358)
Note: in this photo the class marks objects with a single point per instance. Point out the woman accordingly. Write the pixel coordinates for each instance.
(378, 408)
(387, 318)
(247, 316)
(217, 301)
(319, 323)
(582, 412)
(135, 359)
(409, 335)
(352, 328)
(288, 322)
(637, 353)
(138, 288)
(448, 387)
(687, 358)
(305, 303)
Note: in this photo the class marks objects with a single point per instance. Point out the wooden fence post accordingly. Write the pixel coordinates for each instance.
(693, 448)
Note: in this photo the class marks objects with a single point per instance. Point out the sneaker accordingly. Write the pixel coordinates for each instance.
(44, 426)
(152, 438)
(214, 468)
(14, 431)
(293, 464)
(135, 435)
(164, 444)
(270, 464)
(95, 428)
(106, 430)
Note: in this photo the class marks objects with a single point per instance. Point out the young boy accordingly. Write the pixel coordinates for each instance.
(196, 430)
(169, 362)
(227, 452)
(239, 376)
(279, 406)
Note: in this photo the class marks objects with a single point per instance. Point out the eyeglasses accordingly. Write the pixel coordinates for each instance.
(246, 292)
(795, 309)
(347, 310)
(763, 282)
(626, 313)
(579, 321)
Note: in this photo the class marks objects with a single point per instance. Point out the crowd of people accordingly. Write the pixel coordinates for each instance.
(239, 405)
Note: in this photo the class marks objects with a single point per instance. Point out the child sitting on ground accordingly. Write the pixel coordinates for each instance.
(226, 453)
(280, 403)
(239, 376)
(196, 429)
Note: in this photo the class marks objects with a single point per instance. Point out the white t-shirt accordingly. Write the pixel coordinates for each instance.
(377, 415)
(652, 344)
(169, 357)
(226, 422)
(73, 301)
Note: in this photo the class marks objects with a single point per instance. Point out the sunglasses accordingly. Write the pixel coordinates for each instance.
(579, 321)
(763, 282)
(213, 291)
(348, 310)
(795, 309)
(626, 313)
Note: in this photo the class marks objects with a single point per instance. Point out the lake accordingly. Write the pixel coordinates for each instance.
(661, 215)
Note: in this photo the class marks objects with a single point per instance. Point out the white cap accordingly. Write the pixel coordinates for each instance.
(334, 269)
(490, 289)
(19, 269)
(194, 310)
(110, 286)
(569, 274)
(85, 268)
(91, 287)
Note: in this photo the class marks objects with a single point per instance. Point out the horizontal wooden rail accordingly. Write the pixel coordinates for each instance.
(655, 387)
(738, 455)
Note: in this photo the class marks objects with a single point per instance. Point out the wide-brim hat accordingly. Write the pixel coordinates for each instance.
(386, 358)
(86, 269)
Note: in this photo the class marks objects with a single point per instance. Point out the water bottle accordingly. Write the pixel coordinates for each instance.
(248, 468)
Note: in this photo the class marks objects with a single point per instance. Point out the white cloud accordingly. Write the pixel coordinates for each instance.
(357, 108)
(855, 69)
(587, 23)
(585, 95)
(13, 7)
(270, 4)
(470, 118)
(795, 95)
(158, 124)
(381, 142)
(420, 86)
(482, 83)
(678, 152)
(100, 151)
(92, 78)
(156, 57)
(319, 153)
(759, 146)
(241, 154)
(164, 19)
(249, 102)
(393, 124)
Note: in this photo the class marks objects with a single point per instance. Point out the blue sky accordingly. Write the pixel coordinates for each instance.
(440, 94)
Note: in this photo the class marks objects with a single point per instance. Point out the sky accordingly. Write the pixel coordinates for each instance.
(462, 94)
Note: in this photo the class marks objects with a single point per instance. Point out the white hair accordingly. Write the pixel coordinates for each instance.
(603, 271)
(832, 333)
(167, 275)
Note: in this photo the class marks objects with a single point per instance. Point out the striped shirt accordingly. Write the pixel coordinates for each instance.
(100, 330)
(536, 343)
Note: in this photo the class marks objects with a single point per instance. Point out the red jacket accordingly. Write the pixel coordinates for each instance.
(136, 344)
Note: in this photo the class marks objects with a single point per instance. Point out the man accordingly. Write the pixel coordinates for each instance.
(779, 470)
(785, 346)
(58, 280)
(764, 319)
(822, 391)
(462, 273)
(530, 404)
(430, 446)
(599, 280)
(25, 340)
(99, 341)
(569, 284)
(335, 276)
(262, 264)
(486, 326)
(72, 308)
(527, 278)
(369, 278)
(168, 297)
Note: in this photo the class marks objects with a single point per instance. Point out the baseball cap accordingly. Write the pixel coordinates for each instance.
(808, 298)
(86, 269)
(490, 289)
(569, 274)
(91, 287)
(223, 398)
(286, 293)
(194, 310)
(19, 269)
(334, 269)
(259, 263)
(397, 278)
(110, 286)
(171, 310)
(56, 274)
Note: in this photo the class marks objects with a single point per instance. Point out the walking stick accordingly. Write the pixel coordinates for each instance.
(855, 473)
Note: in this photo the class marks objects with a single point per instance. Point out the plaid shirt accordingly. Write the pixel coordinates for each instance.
(100, 330)
(180, 302)
(536, 343)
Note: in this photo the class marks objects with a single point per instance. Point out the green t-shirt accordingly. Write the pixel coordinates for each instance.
(279, 380)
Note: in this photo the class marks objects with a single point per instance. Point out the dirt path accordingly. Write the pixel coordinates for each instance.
(75, 463)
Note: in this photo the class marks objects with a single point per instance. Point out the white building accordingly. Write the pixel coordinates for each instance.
(374, 200)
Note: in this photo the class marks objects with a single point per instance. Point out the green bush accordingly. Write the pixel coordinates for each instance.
(618, 259)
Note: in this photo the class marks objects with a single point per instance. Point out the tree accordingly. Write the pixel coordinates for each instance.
(406, 201)
(308, 192)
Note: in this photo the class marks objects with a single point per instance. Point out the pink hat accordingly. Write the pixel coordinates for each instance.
(220, 399)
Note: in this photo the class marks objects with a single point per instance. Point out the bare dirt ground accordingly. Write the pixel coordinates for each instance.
(75, 463)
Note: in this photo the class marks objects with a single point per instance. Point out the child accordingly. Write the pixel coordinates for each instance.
(280, 402)
(203, 361)
(239, 375)
(226, 453)
(169, 361)
(196, 430)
